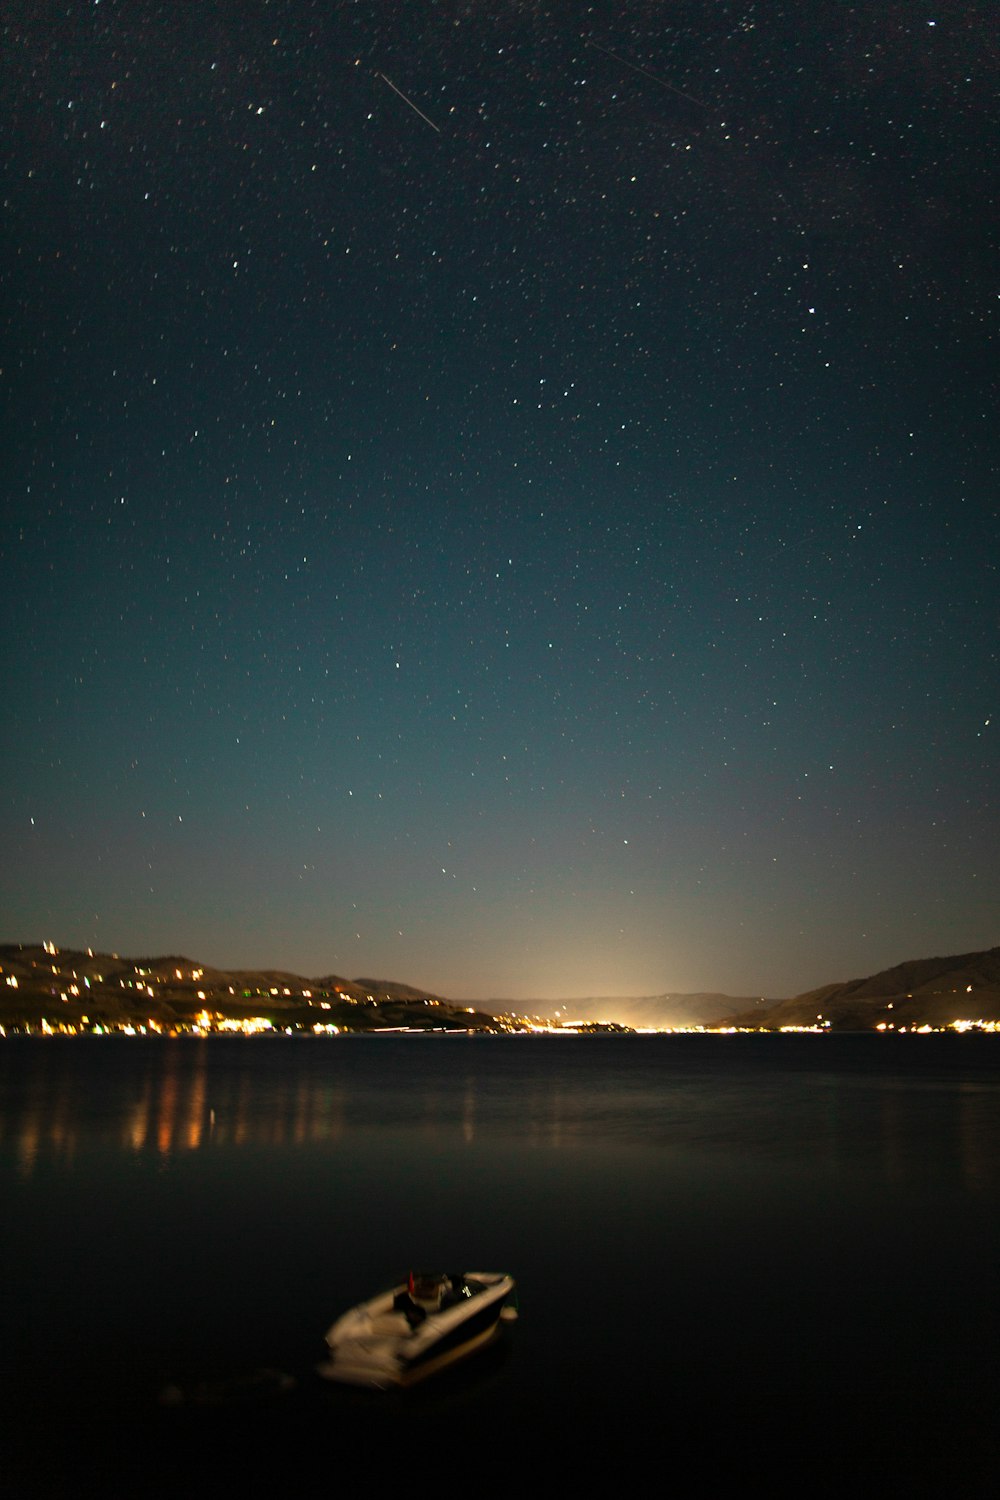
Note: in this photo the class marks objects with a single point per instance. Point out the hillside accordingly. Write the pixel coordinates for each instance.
(42, 986)
(919, 992)
(652, 1012)
(71, 990)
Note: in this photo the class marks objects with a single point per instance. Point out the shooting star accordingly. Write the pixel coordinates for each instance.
(410, 102)
(637, 68)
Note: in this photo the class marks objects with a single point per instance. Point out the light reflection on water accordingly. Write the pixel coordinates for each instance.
(762, 1219)
(845, 1102)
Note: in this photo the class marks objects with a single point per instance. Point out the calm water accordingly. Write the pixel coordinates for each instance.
(774, 1255)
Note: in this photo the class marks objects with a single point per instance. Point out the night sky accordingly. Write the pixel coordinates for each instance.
(501, 496)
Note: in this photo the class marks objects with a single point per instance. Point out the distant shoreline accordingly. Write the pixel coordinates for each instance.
(52, 991)
(65, 1034)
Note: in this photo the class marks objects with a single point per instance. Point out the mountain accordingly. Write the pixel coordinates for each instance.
(652, 1012)
(919, 992)
(75, 990)
(64, 985)
(65, 989)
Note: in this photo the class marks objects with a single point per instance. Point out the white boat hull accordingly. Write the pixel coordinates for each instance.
(377, 1345)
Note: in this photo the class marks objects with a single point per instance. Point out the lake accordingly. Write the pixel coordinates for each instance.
(772, 1257)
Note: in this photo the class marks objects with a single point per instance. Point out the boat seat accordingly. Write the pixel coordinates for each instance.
(389, 1324)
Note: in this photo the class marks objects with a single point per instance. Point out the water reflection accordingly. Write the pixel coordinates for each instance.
(469, 1111)
(899, 1116)
(977, 1131)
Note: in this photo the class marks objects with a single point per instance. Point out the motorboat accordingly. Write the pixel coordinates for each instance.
(417, 1328)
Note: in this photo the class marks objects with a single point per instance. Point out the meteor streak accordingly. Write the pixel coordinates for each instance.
(637, 68)
(410, 102)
